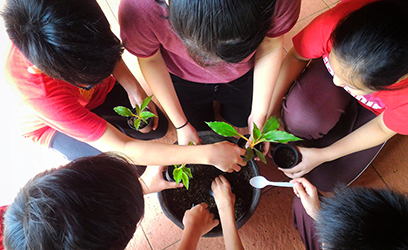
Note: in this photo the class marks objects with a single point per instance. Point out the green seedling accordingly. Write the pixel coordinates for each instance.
(141, 113)
(182, 173)
(269, 133)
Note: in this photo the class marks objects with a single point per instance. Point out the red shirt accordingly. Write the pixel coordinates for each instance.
(48, 105)
(144, 31)
(314, 42)
(2, 211)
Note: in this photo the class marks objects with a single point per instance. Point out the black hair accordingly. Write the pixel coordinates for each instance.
(91, 203)
(364, 218)
(69, 40)
(372, 41)
(227, 30)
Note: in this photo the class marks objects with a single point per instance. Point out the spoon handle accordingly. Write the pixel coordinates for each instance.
(282, 184)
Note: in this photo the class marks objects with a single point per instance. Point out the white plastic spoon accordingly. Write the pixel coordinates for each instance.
(261, 182)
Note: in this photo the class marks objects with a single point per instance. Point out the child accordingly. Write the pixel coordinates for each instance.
(93, 203)
(365, 55)
(353, 218)
(192, 53)
(61, 65)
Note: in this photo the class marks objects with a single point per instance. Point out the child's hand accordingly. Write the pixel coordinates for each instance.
(152, 180)
(224, 198)
(199, 220)
(308, 196)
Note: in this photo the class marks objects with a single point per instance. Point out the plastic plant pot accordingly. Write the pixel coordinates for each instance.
(285, 156)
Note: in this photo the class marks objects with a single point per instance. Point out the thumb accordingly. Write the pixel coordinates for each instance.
(172, 185)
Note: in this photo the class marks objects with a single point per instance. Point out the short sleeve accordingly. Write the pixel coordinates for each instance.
(285, 17)
(139, 20)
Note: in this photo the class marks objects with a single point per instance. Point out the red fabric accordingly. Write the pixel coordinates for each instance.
(144, 31)
(314, 42)
(2, 211)
(48, 104)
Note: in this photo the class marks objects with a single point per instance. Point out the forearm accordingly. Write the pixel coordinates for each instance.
(157, 76)
(229, 230)
(369, 135)
(128, 81)
(292, 67)
(268, 60)
(189, 240)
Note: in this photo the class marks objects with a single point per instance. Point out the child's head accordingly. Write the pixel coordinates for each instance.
(227, 30)
(364, 218)
(370, 45)
(90, 203)
(65, 39)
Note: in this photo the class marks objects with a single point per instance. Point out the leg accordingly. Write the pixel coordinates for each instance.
(71, 147)
(305, 226)
(314, 104)
(196, 99)
(236, 99)
(119, 97)
(346, 169)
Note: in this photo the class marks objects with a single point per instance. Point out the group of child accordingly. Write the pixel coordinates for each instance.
(65, 66)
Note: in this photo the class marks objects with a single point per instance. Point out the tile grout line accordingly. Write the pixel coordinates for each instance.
(386, 184)
(147, 238)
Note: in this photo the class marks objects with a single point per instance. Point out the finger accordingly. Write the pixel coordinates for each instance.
(223, 179)
(301, 191)
(204, 205)
(172, 185)
(215, 223)
(155, 123)
(237, 168)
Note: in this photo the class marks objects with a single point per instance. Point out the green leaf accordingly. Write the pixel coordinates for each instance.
(256, 133)
(187, 171)
(177, 173)
(271, 124)
(137, 110)
(260, 155)
(147, 115)
(145, 103)
(185, 179)
(137, 124)
(249, 154)
(279, 136)
(222, 128)
(123, 111)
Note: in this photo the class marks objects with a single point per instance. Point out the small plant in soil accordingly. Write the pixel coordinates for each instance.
(141, 116)
(181, 173)
(269, 133)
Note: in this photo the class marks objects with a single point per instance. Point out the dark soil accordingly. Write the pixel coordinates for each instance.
(284, 157)
(181, 199)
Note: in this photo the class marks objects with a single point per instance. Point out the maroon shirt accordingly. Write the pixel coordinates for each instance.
(144, 31)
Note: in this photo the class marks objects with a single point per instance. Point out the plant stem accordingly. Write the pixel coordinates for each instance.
(246, 139)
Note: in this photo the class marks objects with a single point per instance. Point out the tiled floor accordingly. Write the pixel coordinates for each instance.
(271, 225)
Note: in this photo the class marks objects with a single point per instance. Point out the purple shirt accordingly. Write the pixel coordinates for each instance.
(144, 31)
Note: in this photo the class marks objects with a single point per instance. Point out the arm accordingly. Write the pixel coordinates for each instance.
(308, 196)
(133, 88)
(225, 201)
(197, 222)
(292, 66)
(224, 155)
(369, 135)
(268, 58)
(157, 76)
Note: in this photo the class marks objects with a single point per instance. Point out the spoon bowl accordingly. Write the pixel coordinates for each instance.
(261, 182)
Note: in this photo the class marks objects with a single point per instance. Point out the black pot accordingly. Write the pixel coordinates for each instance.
(174, 202)
(286, 156)
(143, 127)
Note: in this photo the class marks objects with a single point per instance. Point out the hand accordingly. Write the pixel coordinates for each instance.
(226, 156)
(311, 158)
(308, 196)
(134, 99)
(224, 198)
(152, 180)
(259, 123)
(188, 134)
(199, 219)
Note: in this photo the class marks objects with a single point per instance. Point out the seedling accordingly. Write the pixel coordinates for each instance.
(269, 133)
(141, 113)
(182, 173)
